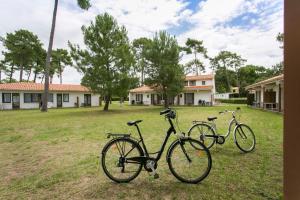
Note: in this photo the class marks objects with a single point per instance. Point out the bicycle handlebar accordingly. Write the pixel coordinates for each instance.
(165, 111)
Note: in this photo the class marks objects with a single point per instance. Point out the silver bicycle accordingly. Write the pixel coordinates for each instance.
(206, 131)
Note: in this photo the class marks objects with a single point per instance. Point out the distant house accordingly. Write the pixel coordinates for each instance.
(268, 94)
(227, 95)
(198, 90)
(28, 96)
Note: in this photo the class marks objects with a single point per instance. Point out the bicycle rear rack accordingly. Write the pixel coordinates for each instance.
(115, 135)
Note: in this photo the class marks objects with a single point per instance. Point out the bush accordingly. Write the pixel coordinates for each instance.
(233, 100)
(250, 99)
(118, 99)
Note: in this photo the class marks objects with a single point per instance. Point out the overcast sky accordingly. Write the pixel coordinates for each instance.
(247, 27)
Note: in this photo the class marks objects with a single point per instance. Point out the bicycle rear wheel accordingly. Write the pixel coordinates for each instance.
(244, 138)
(187, 163)
(115, 163)
(203, 132)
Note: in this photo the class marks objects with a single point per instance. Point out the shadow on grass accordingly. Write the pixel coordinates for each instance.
(142, 188)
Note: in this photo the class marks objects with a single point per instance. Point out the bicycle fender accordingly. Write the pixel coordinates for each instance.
(234, 130)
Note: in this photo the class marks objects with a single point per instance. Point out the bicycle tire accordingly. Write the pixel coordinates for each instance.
(241, 132)
(176, 146)
(195, 133)
(109, 146)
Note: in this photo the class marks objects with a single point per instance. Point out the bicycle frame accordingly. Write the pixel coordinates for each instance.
(142, 159)
(232, 122)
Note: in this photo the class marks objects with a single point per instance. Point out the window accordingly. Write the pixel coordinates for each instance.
(139, 97)
(50, 98)
(66, 97)
(6, 97)
(27, 98)
(186, 83)
(203, 82)
(35, 97)
(192, 83)
(32, 97)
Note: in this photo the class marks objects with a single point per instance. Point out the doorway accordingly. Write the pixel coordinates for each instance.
(189, 98)
(59, 100)
(15, 100)
(87, 100)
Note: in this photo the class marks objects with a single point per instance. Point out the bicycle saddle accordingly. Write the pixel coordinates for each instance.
(211, 118)
(134, 122)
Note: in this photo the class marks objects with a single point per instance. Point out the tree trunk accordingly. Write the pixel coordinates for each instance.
(107, 100)
(0, 76)
(34, 78)
(60, 74)
(51, 79)
(143, 73)
(11, 73)
(21, 73)
(197, 67)
(166, 103)
(47, 67)
(42, 78)
(29, 74)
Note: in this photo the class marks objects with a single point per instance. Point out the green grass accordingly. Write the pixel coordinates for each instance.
(54, 155)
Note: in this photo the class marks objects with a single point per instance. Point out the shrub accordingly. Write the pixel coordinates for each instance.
(250, 99)
(233, 100)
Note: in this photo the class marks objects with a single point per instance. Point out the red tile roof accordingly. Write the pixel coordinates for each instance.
(199, 77)
(200, 87)
(144, 88)
(40, 87)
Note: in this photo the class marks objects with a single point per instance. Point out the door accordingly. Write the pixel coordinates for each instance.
(59, 100)
(87, 100)
(189, 98)
(15, 100)
(152, 99)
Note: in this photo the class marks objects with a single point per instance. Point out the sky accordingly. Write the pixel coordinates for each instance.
(247, 27)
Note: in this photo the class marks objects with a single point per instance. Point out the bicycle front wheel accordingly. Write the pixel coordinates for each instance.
(116, 161)
(244, 138)
(189, 160)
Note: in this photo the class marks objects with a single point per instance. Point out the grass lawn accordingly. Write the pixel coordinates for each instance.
(55, 155)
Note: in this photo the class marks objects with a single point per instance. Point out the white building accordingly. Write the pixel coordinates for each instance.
(198, 90)
(28, 96)
(268, 94)
(233, 90)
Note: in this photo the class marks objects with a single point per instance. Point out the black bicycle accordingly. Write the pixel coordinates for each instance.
(243, 135)
(123, 157)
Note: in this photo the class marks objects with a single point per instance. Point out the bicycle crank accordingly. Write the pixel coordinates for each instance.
(151, 166)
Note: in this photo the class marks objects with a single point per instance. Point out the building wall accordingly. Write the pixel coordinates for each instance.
(146, 98)
(202, 95)
(72, 100)
(222, 96)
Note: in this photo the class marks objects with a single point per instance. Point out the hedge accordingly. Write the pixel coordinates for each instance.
(233, 100)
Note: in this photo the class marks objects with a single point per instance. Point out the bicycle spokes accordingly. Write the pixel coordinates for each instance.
(115, 160)
(244, 138)
(189, 162)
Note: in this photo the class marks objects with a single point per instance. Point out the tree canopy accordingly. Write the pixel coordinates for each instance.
(228, 61)
(140, 47)
(195, 47)
(107, 61)
(59, 60)
(20, 51)
(164, 72)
